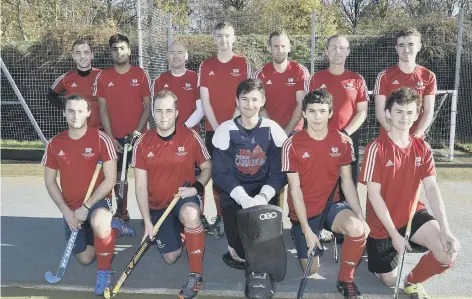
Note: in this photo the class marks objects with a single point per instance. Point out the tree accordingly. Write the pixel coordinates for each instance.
(236, 4)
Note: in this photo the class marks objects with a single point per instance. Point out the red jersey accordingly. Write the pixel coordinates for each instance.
(124, 94)
(317, 163)
(222, 79)
(72, 83)
(281, 89)
(169, 162)
(422, 80)
(347, 91)
(76, 161)
(184, 87)
(398, 171)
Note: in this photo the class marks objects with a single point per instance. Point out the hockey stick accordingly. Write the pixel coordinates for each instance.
(301, 289)
(122, 204)
(110, 293)
(70, 244)
(407, 238)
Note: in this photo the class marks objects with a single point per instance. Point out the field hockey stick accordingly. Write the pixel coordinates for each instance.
(121, 191)
(407, 238)
(110, 293)
(70, 244)
(301, 289)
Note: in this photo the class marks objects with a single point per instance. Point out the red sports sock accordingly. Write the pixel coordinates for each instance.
(104, 248)
(195, 238)
(427, 267)
(216, 196)
(351, 252)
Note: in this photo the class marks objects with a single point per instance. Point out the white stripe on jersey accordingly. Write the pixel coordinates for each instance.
(366, 90)
(109, 144)
(309, 81)
(286, 148)
(149, 81)
(58, 80)
(199, 73)
(248, 70)
(370, 165)
(205, 152)
(306, 83)
(154, 83)
(255, 75)
(95, 85)
(136, 145)
(377, 82)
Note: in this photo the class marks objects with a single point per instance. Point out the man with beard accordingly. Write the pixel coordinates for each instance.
(218, 78)
(74, 153)
(79, 81)
(164, 159)
(124, 98)
(406, 74)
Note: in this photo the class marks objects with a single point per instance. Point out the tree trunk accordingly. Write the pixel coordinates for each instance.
(20, 19)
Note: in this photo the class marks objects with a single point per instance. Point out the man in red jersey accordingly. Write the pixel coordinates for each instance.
(124, 98)
(74, 153)
(286, 83)
(164, 158)
(407, 74)
(79, 81)
(218, 79)
(313, 160)
(394, 165)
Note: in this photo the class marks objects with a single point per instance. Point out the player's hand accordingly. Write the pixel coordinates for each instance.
(147, 231)
(69, 216)
(186, 192)
(259, 200)
(399, 243)
(81, 214)
(449, 242)
(366, 228)
(312, 240)
(132, 138)
(247, 202)
(117, 145)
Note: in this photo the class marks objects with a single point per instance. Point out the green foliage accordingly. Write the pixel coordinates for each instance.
(178, 8)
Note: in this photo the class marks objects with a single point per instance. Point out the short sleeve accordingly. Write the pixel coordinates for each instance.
(381, 87)
(200, 150)
(303, 79)
(49, 159)
(430, 88)
(428, 168)
(98, 90)
(202, 76)
(107, 150)
(58, 86)
(145, 86)
(371, 170)
(362, 92)
(348, 150)
(138, 160)
(289, 158)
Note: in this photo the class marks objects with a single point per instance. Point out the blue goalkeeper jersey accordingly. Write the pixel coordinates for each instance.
(247, 158)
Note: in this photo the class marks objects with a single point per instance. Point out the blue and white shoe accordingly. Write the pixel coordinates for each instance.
(103, 281)
(124, 229)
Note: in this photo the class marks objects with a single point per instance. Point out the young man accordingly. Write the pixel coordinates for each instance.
(218, 78)
(124, 98)
(79, 81)
(74, 153)
(164, 158)
(394, 166)
(313, 160)
(246, 163)
(349, 92)
(406, 74)
(286, 83)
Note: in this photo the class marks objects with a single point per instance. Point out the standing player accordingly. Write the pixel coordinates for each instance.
(286, 83)
(124, 98)
(218, 78)
(79, 81)
(349, 93)
(407, 74)
(246, 163)
(74, 153)
(394, 165)
(164, 158)
(313, 159)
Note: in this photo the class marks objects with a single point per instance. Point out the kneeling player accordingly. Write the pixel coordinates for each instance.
(164, 158)
(246, 166)
(313, 159)
(75, 154)
(394, 165)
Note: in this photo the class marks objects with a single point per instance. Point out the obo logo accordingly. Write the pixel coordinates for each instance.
(268, 216)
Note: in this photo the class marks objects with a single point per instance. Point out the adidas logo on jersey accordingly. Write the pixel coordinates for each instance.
(73, 85)
(166, 86)
(211, 73)
(269, 82)
(306, 155)
(61, 153)
(111, 84)
(150, 155)
(389, 163)
(323, 86)
(395, 82)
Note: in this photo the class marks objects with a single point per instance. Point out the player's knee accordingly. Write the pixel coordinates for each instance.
(190, 214)
(353, 227)
(388, 279)
(85, 259)
(171, 257)
(444, 258)
(101, 222)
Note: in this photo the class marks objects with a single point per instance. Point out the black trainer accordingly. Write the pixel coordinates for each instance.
(349, 290)
(191, 287)
(217, 227)
(206, 225)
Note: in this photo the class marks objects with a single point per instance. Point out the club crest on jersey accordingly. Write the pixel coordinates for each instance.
(181, 151)
(88, 152)
(349, 86)
(250, 162)
(235, 72)
(334, 152)
(418, 161)
(188, 86)
(290, 81)
(419, 85)
(134, 82)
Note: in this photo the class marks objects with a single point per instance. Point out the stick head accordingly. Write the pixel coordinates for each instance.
(107, 293)
(51, 278)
